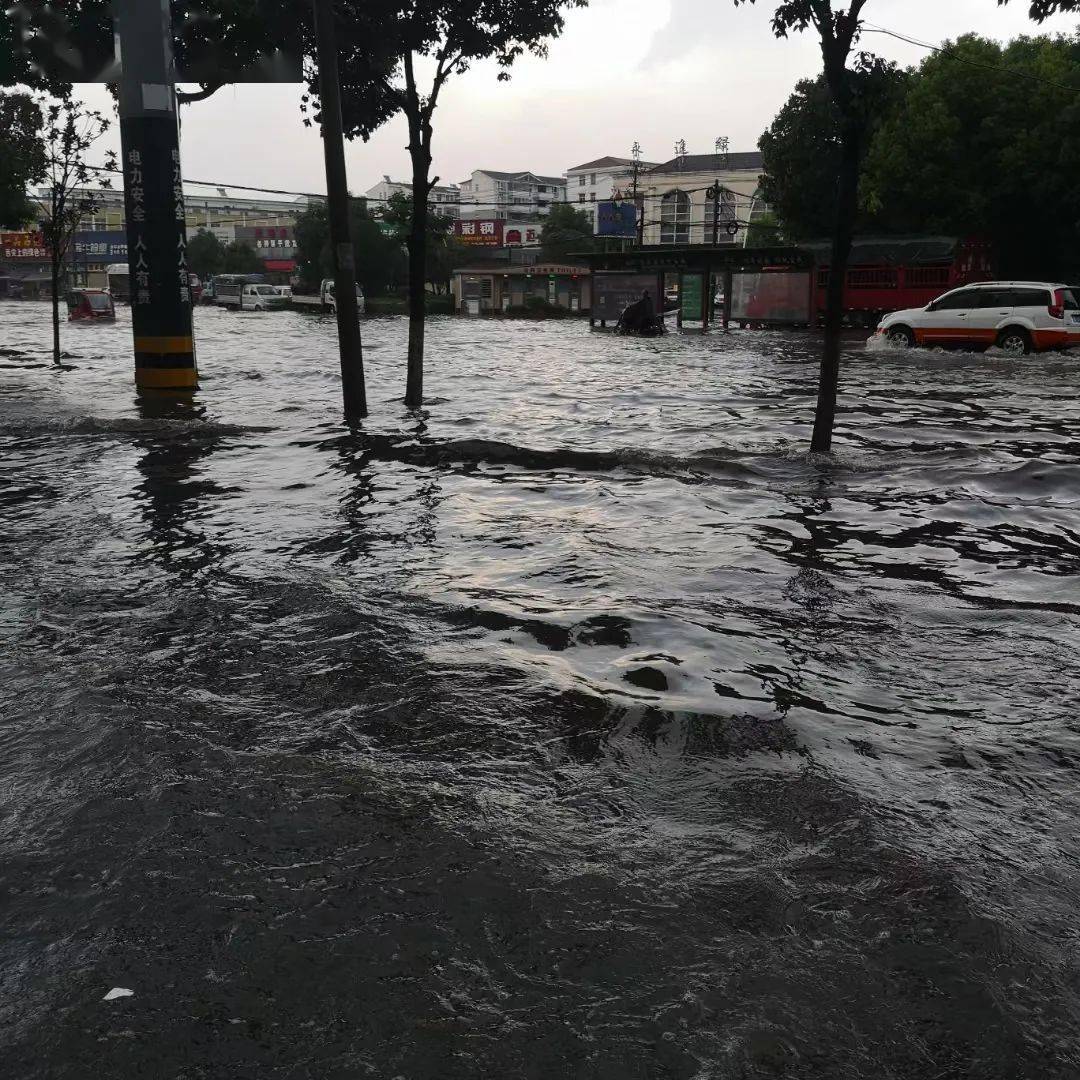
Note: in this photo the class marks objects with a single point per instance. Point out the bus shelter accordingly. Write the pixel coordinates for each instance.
(763, 286)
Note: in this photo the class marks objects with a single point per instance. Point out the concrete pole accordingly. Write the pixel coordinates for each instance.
(154, 198)
(337, 191)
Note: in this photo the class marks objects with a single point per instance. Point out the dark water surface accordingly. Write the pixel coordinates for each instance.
(581, 728)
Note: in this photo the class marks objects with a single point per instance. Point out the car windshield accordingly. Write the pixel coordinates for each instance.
(1068, 298)
(265, 290)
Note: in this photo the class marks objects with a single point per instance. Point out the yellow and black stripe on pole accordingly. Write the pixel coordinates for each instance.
(165, 363)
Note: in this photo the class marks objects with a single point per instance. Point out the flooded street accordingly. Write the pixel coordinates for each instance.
(582, 727)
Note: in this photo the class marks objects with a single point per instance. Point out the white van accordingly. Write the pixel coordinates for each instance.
(326, 296)
(248, 297)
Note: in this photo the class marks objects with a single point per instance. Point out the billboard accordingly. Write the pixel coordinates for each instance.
(616, 219)
(269, 241)
(612, 293)
(96, 244)
(23, 245)
(487, 233)
(102, 244)
(526, 235)
(771, 297)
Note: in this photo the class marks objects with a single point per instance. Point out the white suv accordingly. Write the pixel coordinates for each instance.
(1017, 316)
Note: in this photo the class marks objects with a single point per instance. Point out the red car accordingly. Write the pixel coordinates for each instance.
(90, 304)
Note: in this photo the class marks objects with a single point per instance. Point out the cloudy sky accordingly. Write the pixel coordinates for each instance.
(651, 70)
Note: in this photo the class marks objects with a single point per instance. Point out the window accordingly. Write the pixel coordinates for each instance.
(994, 298)
(1030, 298)
(958, 301)
(675, 218)
(581, 180)
(592, 196)
(581, 196)
(592, 178)
(1069, 300)
(485, 288)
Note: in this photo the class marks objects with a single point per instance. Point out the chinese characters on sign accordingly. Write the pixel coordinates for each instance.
(480, 233)
(181, 248)
(101, 244)
(140, 271)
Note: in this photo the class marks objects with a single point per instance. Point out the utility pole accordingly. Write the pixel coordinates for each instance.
(337, 191)
(154, 199)
(639, 207)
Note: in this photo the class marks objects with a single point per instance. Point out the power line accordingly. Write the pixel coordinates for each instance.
(997, 68)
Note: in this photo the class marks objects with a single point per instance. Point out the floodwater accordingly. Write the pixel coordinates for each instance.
(581, 727)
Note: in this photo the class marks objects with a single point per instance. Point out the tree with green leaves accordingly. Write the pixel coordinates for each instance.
(69, 132)
(205, 254)
(853, 92)
(446, 38)
(985, 141)
(239, 257)
(1041, 10)
(801, 154)
(378, 258)
(566, 231)
(440, 247)
(23, 159)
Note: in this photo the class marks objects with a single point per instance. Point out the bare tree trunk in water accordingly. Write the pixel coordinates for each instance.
(847, 204)
(414, 382)
(55, 312)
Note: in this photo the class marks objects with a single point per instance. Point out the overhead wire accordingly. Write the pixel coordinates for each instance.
(953, 55)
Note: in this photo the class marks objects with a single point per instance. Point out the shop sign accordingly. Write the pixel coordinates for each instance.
(23, 245)
(480, 233)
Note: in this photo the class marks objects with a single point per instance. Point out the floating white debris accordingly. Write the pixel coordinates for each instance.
(118, 992)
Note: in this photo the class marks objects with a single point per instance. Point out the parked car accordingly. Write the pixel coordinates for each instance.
(326, 296)
(284, 290)
(1018, 317)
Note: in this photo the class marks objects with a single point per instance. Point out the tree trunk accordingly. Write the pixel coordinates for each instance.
(847, 205)
(56, 312)
(414, 383)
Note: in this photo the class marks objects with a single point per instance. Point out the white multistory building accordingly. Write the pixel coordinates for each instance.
(444, 199)
(503, 195)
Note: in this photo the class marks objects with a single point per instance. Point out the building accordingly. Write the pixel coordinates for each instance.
(600, 180)
(489, 194)
(677, 206)
(444, 199)
(265, 224)
(488, 287)
(213, 210)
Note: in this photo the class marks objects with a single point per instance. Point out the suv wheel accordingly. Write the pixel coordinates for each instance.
(900, 337)
(1015, 341)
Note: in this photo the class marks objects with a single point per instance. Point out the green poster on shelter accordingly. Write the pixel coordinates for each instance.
(691, 297)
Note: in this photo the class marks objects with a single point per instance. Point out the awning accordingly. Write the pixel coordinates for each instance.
(281, 266)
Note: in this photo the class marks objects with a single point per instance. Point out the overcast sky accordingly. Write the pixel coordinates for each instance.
(651, 70)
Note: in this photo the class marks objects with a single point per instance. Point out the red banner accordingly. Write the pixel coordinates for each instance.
(482, 233)
(23, 245)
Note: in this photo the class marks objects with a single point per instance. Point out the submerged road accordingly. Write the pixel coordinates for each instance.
(579, 727)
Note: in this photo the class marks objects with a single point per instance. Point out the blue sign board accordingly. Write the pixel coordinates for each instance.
(103, 245)
(616, 219)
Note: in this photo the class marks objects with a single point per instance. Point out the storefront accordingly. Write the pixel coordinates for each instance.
(490, 290)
